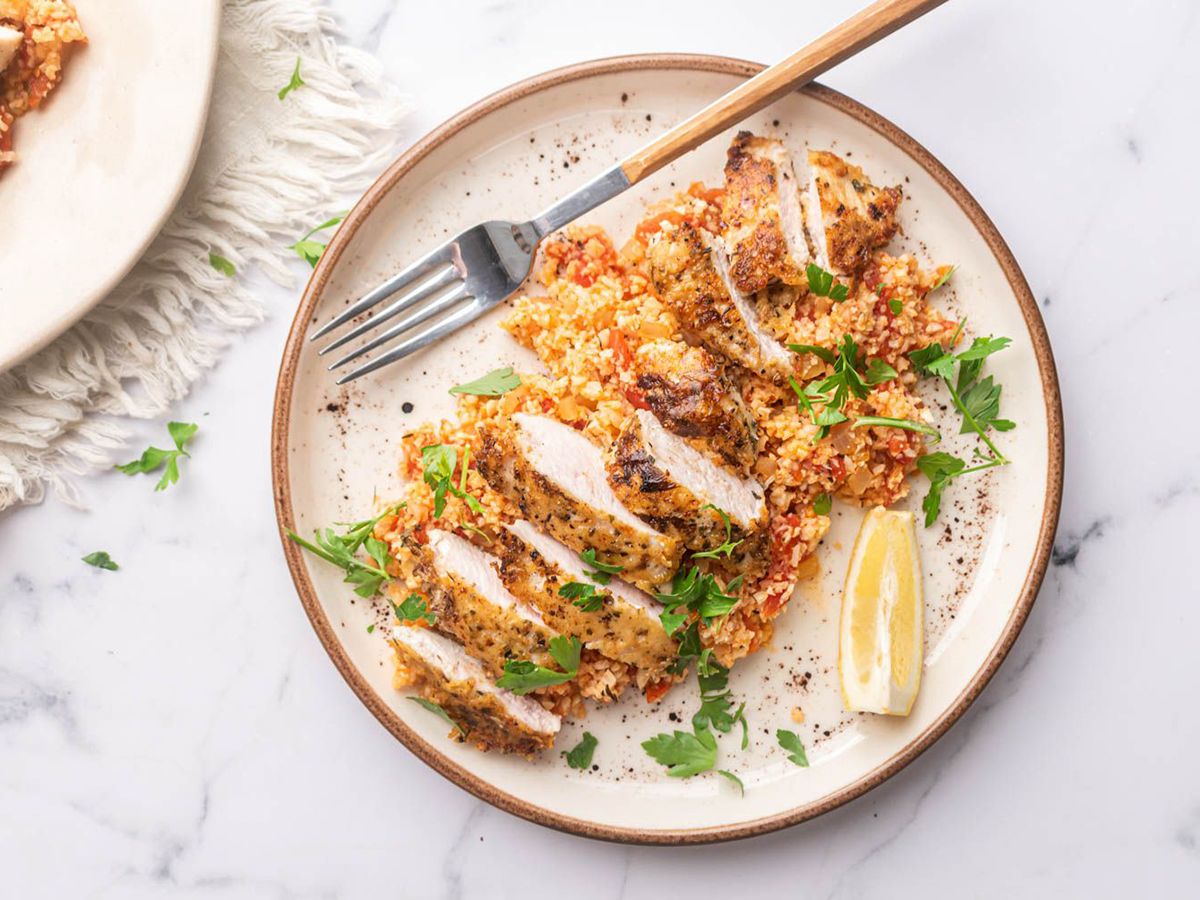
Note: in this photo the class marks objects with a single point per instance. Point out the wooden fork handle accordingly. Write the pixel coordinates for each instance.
(858, 32)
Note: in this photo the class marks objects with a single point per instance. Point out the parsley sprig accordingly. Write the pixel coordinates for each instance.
(790, 741)
(684, 753)
(978, 401)
(342, 551)
(309, 250)
(726, 548)
(832, 391)
(599, 572)
(693, 591)
(440, 461)
(583, 595)
(101, 560)
(154, 458)
(438, 710)
(294, 82)
(522, 675)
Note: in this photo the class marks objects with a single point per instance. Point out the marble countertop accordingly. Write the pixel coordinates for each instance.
(178, 730)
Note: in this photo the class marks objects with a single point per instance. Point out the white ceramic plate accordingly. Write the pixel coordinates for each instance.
(335, 450)
(102, 163)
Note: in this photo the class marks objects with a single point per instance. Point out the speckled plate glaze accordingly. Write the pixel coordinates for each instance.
(334, 451)
(101, 165)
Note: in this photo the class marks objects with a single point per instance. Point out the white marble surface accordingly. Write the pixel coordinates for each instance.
(175, 729)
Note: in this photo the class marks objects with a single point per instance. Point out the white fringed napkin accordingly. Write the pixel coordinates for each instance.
(255, 188)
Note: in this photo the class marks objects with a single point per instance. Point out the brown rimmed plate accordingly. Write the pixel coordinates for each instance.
(334, 452)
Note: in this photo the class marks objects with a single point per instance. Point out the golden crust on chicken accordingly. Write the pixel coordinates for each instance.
(847, 216)
(689, 393)
(764, 223)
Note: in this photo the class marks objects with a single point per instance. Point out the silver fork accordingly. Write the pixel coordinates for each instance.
(480, 268)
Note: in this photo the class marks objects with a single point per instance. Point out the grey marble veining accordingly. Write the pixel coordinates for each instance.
(175, 729)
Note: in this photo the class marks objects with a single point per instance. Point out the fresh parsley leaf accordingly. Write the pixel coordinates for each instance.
(101, 560)
(154, 458)
(896, 306)
(221, 264)
(943, 278)
(823, 504)
(295, 82)
(683, 752)
(715, 703)
(983, 347)
(413, 609)
(371, 628)
(726, 548)
(437, 710)
(600, 572)
(700, 593)
(878, 372)
(522, 676)
(493, 384)
(340, 550)
(309, 250)
(822, 353)
(791, 742)
(822, 284)
(671, 621)
(727, 774)
(582, 595)
(980, 406)
(440, 461)
(940, 468)
(933, 360)
(580, 756)
(906, 424)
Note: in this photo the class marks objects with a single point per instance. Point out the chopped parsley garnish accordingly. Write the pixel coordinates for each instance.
(684, 753)
(310, 251)
(715, 704)
(726, 548)
(834, 390)
(671, 621)
(823, 504)
(371, 628)
(153, 458)
(580, 756)
(906, 424)
(493, 384)
(222, 265)
(522, 675)
(295, 82)
(943, 278)
(700, 593)
(822, 284)
(341, 550)
(823, 353)
(977, 400)
(440, 461)
(101, 560)
(896, 306)
(413, 609)
(790, 742)
(437, 710)
(582, 595)
(600, 572)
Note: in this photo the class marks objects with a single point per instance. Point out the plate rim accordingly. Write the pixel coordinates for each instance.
(426, 751)
(91, 299)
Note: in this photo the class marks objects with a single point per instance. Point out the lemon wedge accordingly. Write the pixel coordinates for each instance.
(880, 649)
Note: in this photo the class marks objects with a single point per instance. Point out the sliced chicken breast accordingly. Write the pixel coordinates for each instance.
(442, 672)
(764, 223)
(555, 476)
(471, 604)
(847, 216)
(666, 481)
(691, 275)
(687, 390)
(535, 567)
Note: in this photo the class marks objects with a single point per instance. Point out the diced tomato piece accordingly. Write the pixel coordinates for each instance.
(656, 690)
(620, 348)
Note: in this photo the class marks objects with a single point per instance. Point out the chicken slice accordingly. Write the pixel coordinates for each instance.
(666, 481)
(764, 223)
(535, 567)
(442, 672)
(847, 216)
(687, 390)
(471, 604)
(555, 476)
(691, 275)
